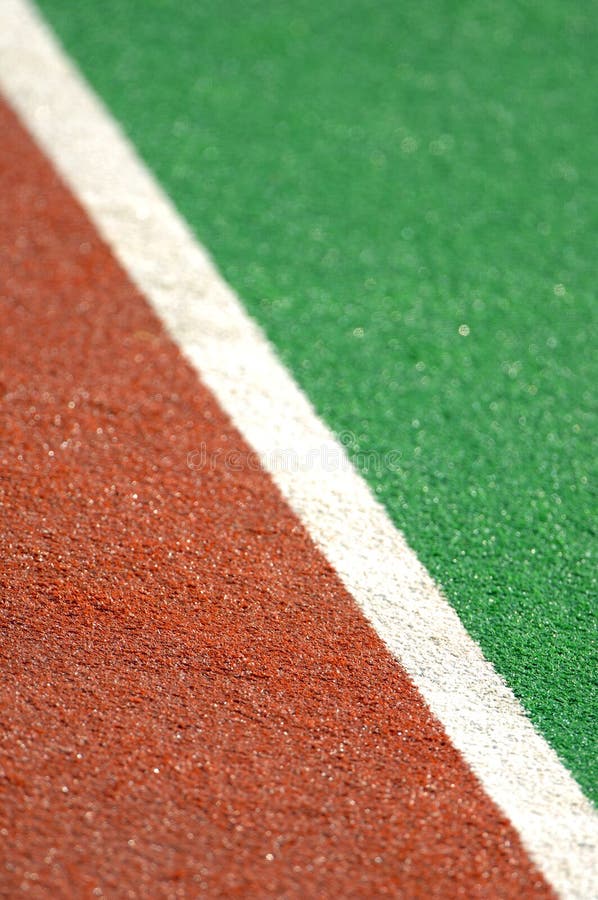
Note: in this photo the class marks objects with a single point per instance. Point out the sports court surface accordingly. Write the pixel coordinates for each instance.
(299, 440)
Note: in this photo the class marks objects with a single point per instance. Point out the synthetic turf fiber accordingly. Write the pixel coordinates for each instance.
(190, 699)
(403, 197)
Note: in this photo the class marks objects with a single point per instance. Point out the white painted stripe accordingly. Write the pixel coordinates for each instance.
(516, 766)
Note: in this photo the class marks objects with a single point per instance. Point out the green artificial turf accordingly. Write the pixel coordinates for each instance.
(404, 196)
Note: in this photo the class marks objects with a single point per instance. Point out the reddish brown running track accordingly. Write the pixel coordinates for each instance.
(191, 702)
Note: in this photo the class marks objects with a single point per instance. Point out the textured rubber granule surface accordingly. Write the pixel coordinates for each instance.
(372, 178)
(191, 701)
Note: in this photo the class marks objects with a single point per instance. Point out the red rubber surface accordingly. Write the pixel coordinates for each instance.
(191, 701)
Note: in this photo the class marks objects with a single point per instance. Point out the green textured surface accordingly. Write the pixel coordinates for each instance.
(370, 177)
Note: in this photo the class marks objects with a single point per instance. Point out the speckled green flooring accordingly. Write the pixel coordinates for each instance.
(404, 196)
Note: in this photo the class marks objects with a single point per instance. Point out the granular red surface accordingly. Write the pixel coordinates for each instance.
(191, 702)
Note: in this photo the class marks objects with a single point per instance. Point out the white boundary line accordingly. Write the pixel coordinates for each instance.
(484, 720)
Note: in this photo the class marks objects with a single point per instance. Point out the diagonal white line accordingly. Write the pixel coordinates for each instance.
(518, 769)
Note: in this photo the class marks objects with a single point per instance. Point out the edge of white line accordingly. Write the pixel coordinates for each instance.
(516, 766)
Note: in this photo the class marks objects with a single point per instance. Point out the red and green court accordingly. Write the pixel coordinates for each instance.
(370, 179)
(403, 198)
